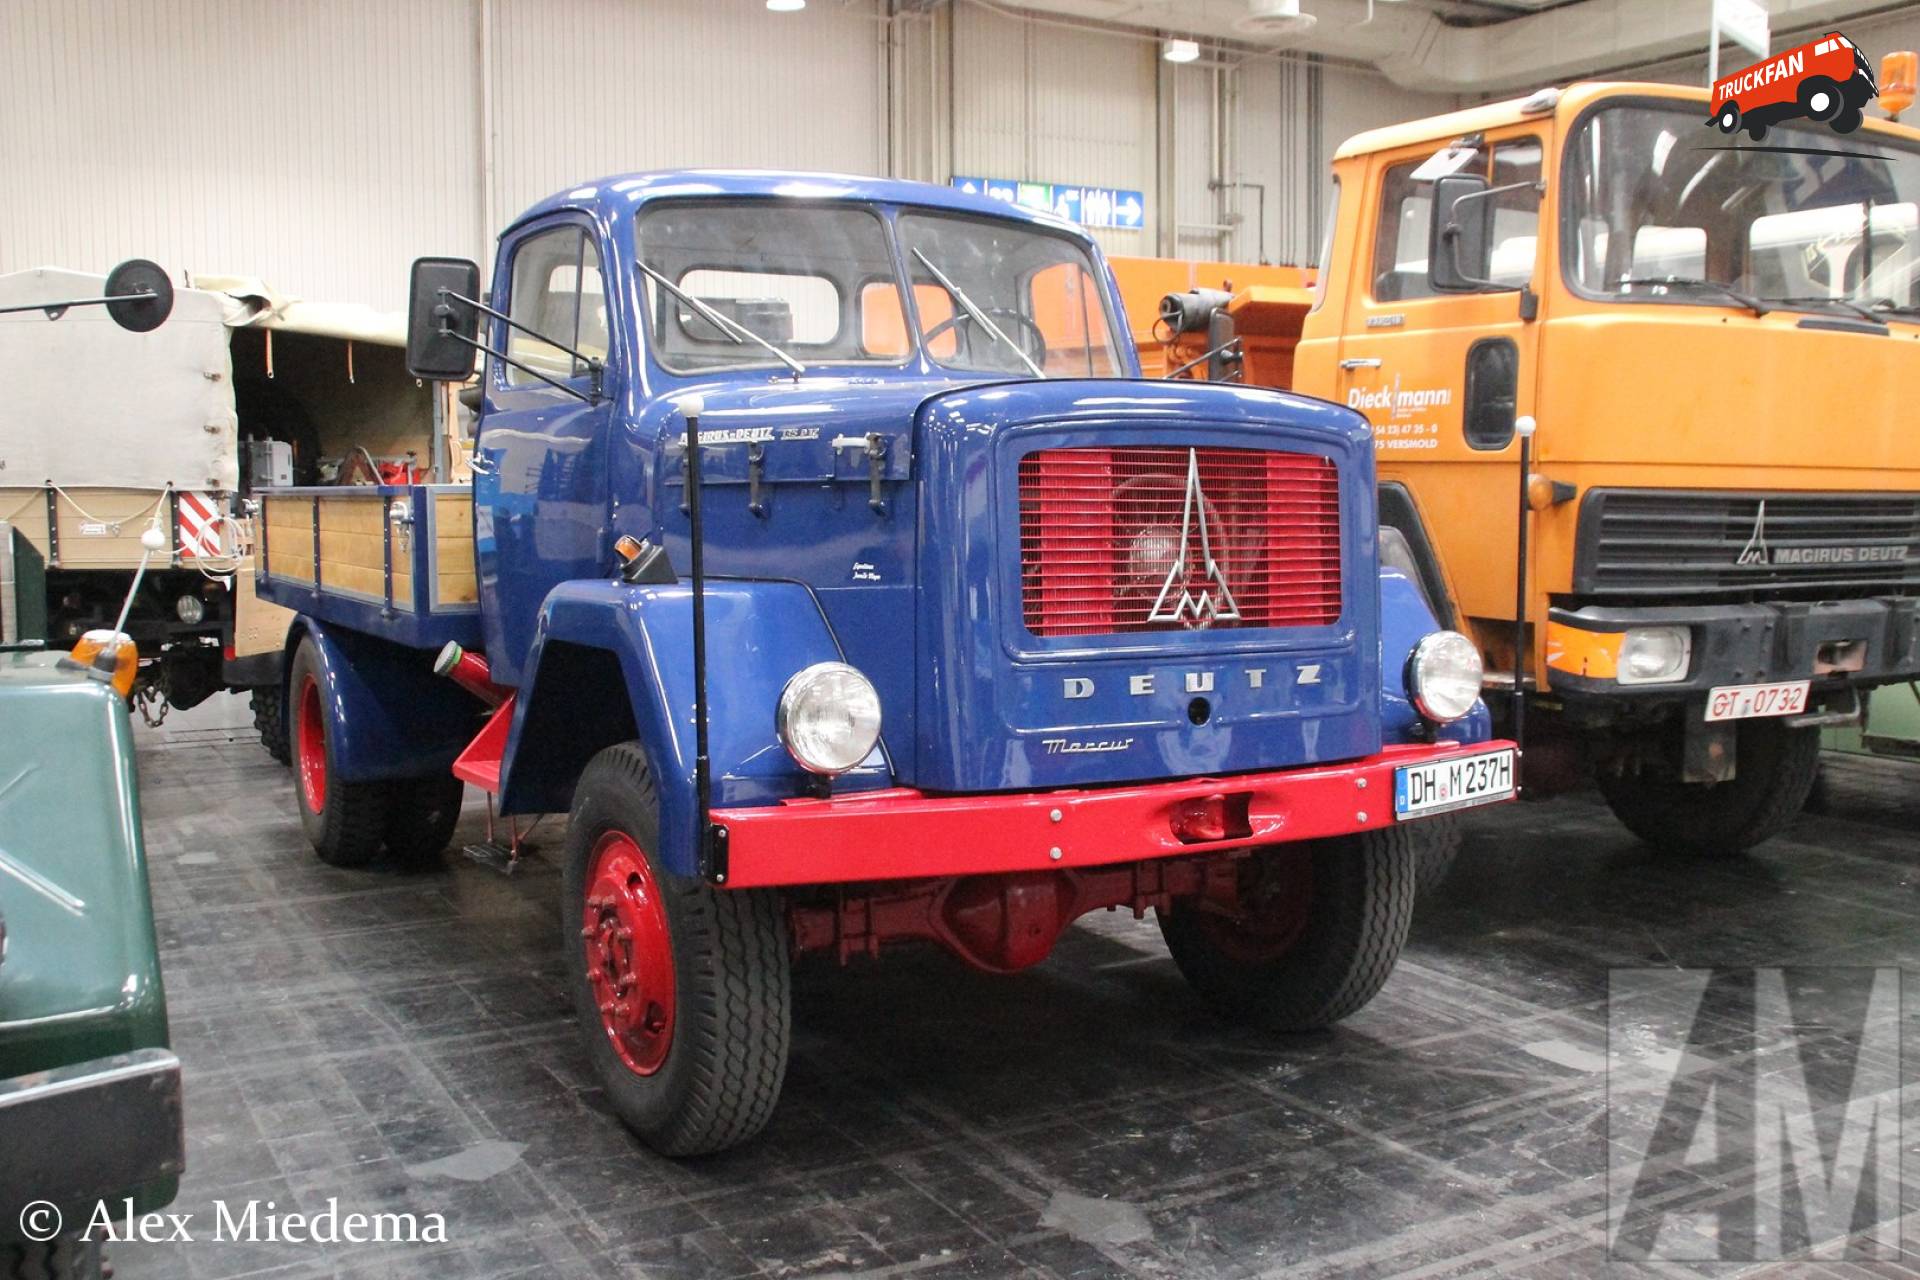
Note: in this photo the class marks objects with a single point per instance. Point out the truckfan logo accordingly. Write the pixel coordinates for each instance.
(1195, 610)
(1828, 81)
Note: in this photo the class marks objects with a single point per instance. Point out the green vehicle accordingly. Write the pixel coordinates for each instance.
(89, 1092)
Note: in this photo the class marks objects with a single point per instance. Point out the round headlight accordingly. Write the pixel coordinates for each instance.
(1443, 676)
(190, 609)
(829, 717)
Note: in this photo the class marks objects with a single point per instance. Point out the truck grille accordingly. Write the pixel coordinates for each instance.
(1118, 539)
(1675, 543)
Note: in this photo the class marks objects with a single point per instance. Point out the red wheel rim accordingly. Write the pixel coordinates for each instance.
(1276, 892)
(310, 730)
(623, 925)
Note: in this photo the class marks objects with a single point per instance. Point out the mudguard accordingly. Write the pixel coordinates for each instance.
(391, 716)
(613, 663)
(1405, 620)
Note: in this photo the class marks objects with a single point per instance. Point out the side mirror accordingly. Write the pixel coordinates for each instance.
(1460, 239)
(137, 294)
(443, 322)
(140, 297)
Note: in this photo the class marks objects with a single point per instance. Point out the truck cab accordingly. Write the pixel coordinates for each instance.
(835, 570)
(1655, 387)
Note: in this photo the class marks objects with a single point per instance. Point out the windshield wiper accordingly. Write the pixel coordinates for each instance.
(732, 328)
(1805, 299)
(1894, 308)
(979, 316)
(1746, 300)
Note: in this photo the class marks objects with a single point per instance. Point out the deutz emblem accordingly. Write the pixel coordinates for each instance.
(1203, 608)
(1755, 552)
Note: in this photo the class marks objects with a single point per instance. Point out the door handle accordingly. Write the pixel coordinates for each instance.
(1360, 362)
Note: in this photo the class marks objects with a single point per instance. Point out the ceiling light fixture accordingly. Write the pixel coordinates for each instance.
(1181, 50)
(786, 6)
(1271, 19)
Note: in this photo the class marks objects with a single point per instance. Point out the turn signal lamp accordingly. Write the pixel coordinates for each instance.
(1898, 73)
(109, 656)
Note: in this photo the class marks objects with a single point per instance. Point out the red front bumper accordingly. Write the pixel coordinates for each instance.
(905, 834)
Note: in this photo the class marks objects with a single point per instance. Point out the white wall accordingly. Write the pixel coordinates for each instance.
(307, 142)
(321, 144)
(1879, 36)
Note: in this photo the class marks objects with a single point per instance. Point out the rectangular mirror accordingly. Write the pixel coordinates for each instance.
(437, 321)
(1459, 241)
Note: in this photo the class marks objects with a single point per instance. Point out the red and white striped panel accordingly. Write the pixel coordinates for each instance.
(201, 532)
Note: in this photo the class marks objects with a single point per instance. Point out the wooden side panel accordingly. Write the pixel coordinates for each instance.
(455, 582)
(353, 530)
(289, 538)
(99, 528)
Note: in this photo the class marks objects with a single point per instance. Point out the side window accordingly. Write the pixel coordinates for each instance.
(1400, 241)
(1493, 390)
(1516, 215)
(1406, 203)
(556, 291)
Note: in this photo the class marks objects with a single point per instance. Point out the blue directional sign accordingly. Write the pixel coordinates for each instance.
(1089, 206)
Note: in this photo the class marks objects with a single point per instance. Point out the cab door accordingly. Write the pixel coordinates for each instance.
(540, 461)
(1443, 376)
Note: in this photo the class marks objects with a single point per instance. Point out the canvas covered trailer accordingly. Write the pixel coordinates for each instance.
(106, 433)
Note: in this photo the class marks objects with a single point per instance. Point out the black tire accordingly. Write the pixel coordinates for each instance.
(1437, 842)
(1847, 121)
(1729, 118)
(421, 816)
(1774, 768)
(725, 1055)
(1359, 893)
(67, 1258)
(270, 722)
(344, 821)
(1831, 100)
(1756, 130)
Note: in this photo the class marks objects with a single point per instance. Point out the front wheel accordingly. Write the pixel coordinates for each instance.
(683, 991)
(1320, 928)
(1774, 767)
(1729, 118)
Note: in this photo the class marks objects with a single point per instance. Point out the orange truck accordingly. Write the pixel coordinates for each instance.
(1642, 406)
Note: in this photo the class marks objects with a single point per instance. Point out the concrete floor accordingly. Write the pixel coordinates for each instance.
(402, 1042)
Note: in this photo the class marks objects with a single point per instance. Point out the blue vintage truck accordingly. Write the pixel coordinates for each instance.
(829, 562)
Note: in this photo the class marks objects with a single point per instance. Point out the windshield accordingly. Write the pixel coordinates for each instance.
(1003, 297)
(816, 282)
(1660, 207)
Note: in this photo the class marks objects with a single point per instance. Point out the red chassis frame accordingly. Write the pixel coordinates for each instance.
(995, 878)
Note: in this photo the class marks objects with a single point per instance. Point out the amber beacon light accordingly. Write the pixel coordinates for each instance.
(1898, 72)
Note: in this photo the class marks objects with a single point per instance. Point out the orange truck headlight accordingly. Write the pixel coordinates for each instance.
(111, 653)
(1898, 72)
(1642, 655)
